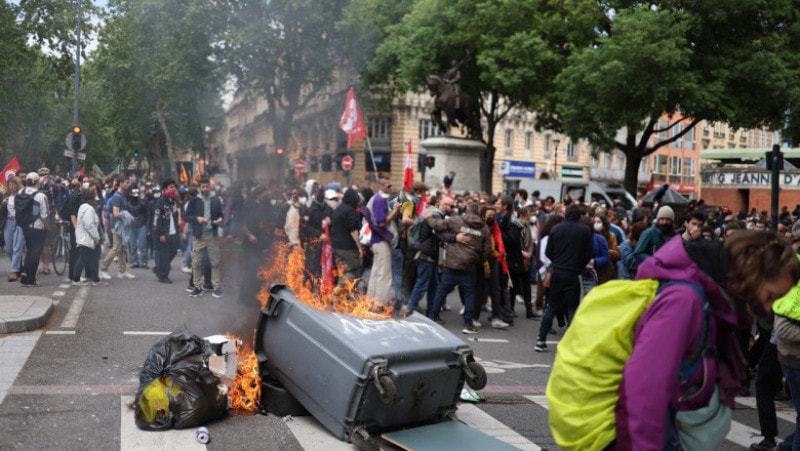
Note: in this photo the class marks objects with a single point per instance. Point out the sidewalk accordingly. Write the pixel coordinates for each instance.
(20, 313)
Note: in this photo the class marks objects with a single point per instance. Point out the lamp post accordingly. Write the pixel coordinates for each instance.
(556, 142)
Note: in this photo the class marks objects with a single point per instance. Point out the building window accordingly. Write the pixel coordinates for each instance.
(688, 171)
(660, 164)
(528, 144)
(571, 154)
(688, 140)
(547, 139)
(675, 131)
(662, 129)
(380, 128)
(507, 141)
(644, 165)
(620, 160)
(607, 160)
(675, 169)
(427, 129)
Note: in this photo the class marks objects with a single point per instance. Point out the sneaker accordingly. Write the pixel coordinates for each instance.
(196, 292)
(126, 275)
(190, 288)
(31, 285)
(763, 445)
(186, 270)
(208, 287)
(217, 293)
(469, 330)
(404, 311)
(100, 284)
(520, 300)
(105, 275)
(498, 323)
(540, 346)
(439, 321)
(13, 277)
(476, 323)
(77, 284)
(532, 315)
(446, 308)
(135, 265)
(166, 280)
(461, 312)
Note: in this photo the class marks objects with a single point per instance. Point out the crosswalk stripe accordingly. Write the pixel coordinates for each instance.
(539, 399)
(743, 435)
(134, 439)
(782, 414)
(314, 437)
(478, 419)
(15, 349)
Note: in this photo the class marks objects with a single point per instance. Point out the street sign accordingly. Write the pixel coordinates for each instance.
(347, 162)
(300, 166)
(81, 155)
(69, 141)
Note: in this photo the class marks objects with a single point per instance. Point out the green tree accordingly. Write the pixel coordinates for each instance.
(517, 47)
(156, 72)
(717, 61)
(285, 51)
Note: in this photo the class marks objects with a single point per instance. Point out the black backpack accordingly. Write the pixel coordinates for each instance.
(23, 208)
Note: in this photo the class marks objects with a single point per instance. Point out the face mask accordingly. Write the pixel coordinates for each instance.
(172, 193)
(598, 227)
(490, 220)
(332, 203)
(665, 228)
(85, 185)
(303, 200)
(156, 195)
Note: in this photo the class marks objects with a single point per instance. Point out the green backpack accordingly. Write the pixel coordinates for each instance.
(582, 391)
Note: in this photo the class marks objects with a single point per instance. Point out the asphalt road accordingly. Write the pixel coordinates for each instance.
(82, 371)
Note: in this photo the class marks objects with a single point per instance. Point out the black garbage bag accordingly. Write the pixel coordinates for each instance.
(176, 389)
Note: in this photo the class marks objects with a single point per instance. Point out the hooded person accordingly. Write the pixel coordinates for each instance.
(721, 285)
(345, 224)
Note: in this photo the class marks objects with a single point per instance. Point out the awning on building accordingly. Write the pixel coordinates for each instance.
(747, 155)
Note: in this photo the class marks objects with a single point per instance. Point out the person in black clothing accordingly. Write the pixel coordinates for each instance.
(165, 230)
(513, 233)
(258, 224)
(570, 248)
(73, 204)
(137, 249)
(427, 256)
(312, 234)
(347, 250)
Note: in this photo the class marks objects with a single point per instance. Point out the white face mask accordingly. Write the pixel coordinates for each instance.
(156, 195)
(303, 200)
(332, 203)
(598, 227)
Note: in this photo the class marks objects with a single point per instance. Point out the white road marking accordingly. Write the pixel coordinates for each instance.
(59, 293)
(15, 349)
(74, 312)
(743, 435)
(489, 340)
(134, 439)
(65, 285)
(60, 332)
(144, 332)
(539, 399)
(313, 436)
(478, 419)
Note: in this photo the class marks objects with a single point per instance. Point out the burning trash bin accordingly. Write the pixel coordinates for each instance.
(359, 375)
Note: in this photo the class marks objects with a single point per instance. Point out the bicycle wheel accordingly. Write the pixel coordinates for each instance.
(60, 255)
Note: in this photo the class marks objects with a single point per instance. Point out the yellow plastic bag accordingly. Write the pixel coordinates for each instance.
(155, 400)
(583, 387)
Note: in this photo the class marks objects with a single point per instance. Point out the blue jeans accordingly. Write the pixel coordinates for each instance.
(137, 248)
(187, 255)
(792, 441)
(14, 243)
(450, 278)
(427, 281)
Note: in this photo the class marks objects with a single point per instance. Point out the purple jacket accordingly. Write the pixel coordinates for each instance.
(668, 332)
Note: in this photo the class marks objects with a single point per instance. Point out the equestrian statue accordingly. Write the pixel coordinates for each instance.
(459, 107)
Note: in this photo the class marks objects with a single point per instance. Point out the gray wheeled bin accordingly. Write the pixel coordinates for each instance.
(356, 375)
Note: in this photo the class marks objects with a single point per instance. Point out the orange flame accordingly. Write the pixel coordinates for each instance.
(288, 267)
(245, 394)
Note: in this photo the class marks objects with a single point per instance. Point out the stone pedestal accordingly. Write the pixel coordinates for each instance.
(454, 154)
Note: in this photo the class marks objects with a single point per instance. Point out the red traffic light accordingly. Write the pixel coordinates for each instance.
(76, 129)
(279, 151)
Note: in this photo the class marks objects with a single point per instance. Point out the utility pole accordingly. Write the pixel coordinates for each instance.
(75, 122)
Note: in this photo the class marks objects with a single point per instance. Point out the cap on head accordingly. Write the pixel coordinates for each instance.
(44, 171)
(665, 212)
(331, 194)
(32, 177)
(135, 192)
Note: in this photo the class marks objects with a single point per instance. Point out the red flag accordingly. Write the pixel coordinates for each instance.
(9, 171)
(408, 175)
(352, 122)
(82, 171)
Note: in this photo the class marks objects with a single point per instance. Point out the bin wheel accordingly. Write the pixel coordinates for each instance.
(389, 393)
(363, 443)
(479, 380)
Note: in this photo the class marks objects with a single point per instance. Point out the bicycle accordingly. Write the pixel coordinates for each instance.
(61, 247)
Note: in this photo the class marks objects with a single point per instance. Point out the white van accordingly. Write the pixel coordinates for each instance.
(585, 191)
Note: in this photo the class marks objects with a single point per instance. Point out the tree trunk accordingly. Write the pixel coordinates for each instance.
(634, 160)
(162, 122)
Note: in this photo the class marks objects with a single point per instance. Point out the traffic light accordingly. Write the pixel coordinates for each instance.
(135, 154)
(430, 162)
(76, 138)
(279, 151)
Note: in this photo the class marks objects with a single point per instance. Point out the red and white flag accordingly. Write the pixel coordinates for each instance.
(352, 122)
(9, 171)
(408, 175)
